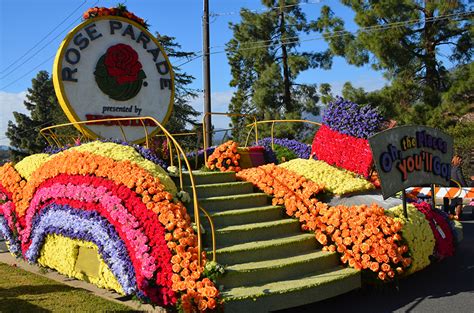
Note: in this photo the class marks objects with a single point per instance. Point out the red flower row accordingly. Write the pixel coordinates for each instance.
(342, 150)
(149, 224)
(444, 245)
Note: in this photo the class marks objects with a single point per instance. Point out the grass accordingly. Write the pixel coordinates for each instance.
(22, 291)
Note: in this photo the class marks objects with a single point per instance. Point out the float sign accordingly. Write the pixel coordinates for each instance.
(112, 67)
(409, 156)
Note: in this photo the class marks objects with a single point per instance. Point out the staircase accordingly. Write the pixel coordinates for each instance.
(270, 264)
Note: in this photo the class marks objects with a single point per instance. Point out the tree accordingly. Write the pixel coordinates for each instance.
(45, 111)
(183, 115)
(405, 39)
(265, 62)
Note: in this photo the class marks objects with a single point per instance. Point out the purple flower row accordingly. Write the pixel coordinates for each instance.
(87, 226)
(12, 240)
(301, 150)
(352, 119)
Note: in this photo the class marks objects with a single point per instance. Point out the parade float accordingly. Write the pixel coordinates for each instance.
(258, 228)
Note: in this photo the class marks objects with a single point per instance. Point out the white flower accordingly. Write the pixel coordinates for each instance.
(172, 170)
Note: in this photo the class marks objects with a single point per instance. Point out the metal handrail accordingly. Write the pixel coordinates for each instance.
(204, 124)
(49, 131)
(256, 123)
(211, 223)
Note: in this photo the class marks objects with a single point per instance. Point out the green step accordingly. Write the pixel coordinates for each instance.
(257, 273)
(223, 203)
(237, 234)
(247, 216)
(221, 189)
(292, 292)
(266, 249)
(202, 178)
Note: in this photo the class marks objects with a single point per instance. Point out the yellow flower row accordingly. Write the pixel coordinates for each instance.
(335, 180)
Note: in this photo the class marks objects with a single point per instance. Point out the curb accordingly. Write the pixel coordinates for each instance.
(7, 258)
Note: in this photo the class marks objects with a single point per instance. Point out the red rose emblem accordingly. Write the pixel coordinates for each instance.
(122, 63)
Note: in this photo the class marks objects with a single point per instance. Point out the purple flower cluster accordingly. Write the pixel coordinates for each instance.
(12, 240)
(301, 150)
(351, 119)
(144, 152)
(88, 226)
(200, 156)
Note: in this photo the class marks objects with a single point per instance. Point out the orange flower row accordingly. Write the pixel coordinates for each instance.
(11, 180)
(225, 158)
(180, 236)
(294, 191)
(119, 11)
(364, 237)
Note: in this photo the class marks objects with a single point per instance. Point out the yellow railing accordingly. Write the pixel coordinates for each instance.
(204, 124)
(255, 124)
(49, 135)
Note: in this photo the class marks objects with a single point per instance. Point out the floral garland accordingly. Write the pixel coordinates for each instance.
(444, 240)
(343, 150)
(120, 10)
(352, 119)
(225, 158)
(286, 187)
(418, 235)
(365, 238)
(335, 181)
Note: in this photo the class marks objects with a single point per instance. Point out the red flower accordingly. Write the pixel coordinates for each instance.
(342, 150)
(122, 63)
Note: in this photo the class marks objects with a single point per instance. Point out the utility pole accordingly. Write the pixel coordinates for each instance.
(206, 66)
(286, 72)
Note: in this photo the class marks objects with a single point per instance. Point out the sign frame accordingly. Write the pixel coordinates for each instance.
(59, 84)
(393, 148)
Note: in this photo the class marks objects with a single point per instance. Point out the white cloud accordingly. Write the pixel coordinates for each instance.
(9, 102)
(219, 103)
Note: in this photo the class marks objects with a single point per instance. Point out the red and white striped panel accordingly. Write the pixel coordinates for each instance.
(441, 192)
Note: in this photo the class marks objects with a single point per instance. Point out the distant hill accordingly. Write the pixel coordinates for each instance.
(4, 148)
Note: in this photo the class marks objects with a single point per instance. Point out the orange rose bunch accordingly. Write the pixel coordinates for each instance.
(120, 10)
(225, 158)
(11, 180)
(294, 191)
(365, 237)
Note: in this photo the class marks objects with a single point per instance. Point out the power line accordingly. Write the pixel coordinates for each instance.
(44, 46)
(44, 37)
(266, 9)
(27, 73)
(334, 34)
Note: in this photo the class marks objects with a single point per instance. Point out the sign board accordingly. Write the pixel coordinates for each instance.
(409, 156)
(112, 67)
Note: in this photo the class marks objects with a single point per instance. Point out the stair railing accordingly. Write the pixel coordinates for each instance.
(49, 134)
(213, 236)
(255, 124)
(204, 123)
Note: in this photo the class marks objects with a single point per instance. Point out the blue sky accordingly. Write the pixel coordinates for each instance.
(31, 32)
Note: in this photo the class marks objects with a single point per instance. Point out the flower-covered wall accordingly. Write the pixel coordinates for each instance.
(104, 213)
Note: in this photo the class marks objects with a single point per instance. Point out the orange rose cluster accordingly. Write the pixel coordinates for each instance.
(120, 10)
(225, 158)
(364, 237)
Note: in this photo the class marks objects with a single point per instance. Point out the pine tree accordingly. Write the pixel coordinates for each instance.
(405, 40)
(265, 62)
(41, 101)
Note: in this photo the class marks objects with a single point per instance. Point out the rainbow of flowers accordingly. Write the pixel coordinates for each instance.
(107, 197)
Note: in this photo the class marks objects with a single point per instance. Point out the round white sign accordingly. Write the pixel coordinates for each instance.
(112, 67)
